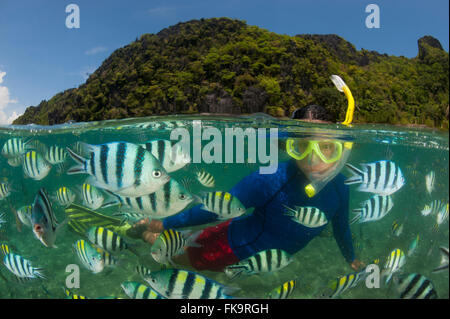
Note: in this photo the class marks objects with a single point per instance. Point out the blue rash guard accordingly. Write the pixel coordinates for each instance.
(267, 227)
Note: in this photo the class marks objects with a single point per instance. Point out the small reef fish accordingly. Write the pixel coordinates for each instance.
(89, 256)
(92, 196)
(283, 291)
(5, 190)
(342, 284)
(415, 286)
(434, 207)
(65, 196)
(269, 260)
(396, 260)
(71, 295)
(170, 155)
(442, 215)
(55, 155)
(311, 217)
(396, 229)
(223, 204)
(24, 214)
(135, 290)
(35, 166)
(21, 267)
(373, 209)
(43, 220)
(123, 168)
(2, 219)
(429, 181)
(413, 246)
(106, 239)
(205, 178)
(169, 200)
(382, 177)
(444, 260)
(171, 243)
(15, 147)
(184, 284)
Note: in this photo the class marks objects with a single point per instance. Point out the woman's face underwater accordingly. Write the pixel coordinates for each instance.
(312, 164)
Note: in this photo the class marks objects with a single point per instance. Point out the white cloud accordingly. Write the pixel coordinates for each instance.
(163, 10)
(5, 100)
(95, 50)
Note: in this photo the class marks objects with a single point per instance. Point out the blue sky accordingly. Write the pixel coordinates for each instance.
(40, 56)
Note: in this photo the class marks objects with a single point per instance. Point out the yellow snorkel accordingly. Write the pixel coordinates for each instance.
(315, 186)
(342, 87)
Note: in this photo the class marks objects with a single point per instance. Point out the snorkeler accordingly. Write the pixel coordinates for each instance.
(310, 179)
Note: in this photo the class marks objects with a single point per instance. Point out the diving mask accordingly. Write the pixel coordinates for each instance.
(329, 151)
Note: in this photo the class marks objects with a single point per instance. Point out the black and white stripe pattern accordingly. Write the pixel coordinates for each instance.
(170, 155)
(169, 243)
(123, 168)
(205, 179)
(345, 283)
(374, 209)
(416, 286)
(106, 239)
(4, 190)
(169, 200)
(382, 177)
(265, 261)
(35, 166)
(89, 257)
(433, 208)
(14, 147)
(307, 216)
(136, 290)
(24, 214)
(223, 204)
(92, 196)
(65, 196)
(21, 267)
(283, 291)
(176, 283)
(394, 263)
(55, 155)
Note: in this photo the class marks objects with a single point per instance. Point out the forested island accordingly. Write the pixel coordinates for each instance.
(222, 65)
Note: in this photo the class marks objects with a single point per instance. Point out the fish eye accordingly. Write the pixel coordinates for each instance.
(182, 196)
(156, 173)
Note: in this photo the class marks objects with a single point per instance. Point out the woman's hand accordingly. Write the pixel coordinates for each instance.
(357, 265)
(147, 230)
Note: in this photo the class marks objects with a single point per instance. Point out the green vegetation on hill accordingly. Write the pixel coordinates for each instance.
(226, 66)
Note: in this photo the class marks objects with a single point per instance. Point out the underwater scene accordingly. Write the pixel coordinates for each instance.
(123, 209)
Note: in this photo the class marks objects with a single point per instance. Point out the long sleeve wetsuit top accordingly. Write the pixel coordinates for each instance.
(268, 227)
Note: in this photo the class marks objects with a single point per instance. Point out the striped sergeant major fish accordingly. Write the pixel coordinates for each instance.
(107, 239)
(442, 215)
(71, 295)
(55, 155)
(123, 168)
(311, 217)
(382, 177)
(135, 290)
(65, 196)
(89, 256)
(92, 196)
(35, 166)
(184, 284)
(429, 181)
(24, 214)
(373, 209)
(415, 286)
(269, 260)
(5, 249)
(142, 271)
(283, 291)
(433, 208)
(2, 219)
(205, 178)
(223, 204)
(107, 258)
(396, 229)
(169, 200)
(43, 220)
(170, 155)
(171, 243)
(342, 284)
(21, 267)
(396, 260)
(15, 147)
(444, 260)
(5, 190)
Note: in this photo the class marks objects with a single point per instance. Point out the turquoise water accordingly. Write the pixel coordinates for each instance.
(416, 151)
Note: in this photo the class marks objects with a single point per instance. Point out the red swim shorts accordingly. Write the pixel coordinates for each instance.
(215, 252)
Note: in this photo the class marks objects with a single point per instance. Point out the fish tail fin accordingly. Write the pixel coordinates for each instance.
(77, 169)
(38, 273)
(356, 217)
(357, 175)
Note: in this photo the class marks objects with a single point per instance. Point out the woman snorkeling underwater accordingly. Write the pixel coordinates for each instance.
(309, 179)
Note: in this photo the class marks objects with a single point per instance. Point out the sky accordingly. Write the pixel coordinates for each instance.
(40, 56)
